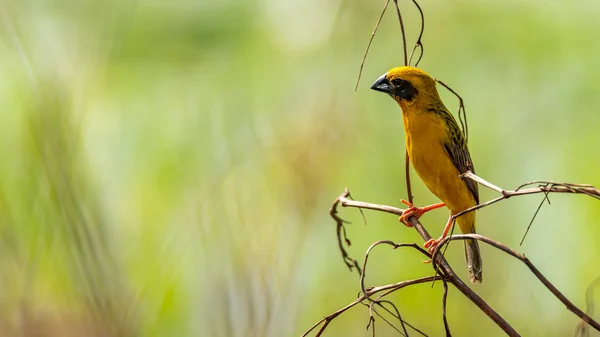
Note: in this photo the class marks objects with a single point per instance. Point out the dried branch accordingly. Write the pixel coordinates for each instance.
(443, 270)
(572, 307)
(545, 187)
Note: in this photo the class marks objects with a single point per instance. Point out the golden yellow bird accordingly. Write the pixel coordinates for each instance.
(438, 152)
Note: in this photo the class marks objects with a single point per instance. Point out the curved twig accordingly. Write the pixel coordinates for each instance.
(462, 112)
(394, 246)
(396, 314)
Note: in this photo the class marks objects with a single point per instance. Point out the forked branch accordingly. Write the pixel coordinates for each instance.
(444, 267)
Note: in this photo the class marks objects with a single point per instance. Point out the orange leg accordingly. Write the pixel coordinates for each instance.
(416, 211)
(432, 243)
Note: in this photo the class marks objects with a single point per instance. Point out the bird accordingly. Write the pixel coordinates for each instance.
(437, 150)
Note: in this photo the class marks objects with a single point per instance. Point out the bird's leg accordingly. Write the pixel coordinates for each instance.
(416, 211)
(432, 243)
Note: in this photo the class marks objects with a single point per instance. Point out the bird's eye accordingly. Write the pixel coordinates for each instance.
(404, 89)
(397, 82)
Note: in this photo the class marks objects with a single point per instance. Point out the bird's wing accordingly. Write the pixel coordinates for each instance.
(456, 147)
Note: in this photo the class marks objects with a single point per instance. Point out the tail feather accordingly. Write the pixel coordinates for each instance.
(474, 262)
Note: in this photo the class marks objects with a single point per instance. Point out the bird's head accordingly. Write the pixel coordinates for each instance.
(406, 85)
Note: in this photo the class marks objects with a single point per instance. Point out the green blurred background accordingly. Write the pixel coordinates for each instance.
(166, 167)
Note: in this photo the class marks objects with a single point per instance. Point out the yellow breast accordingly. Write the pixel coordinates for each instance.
(425, 136)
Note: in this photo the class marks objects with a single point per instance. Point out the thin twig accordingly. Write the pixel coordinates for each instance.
(396, 314)
(362, 213)
(444, 299)
(372, 319)
(396, 286)
(362, 64)
(407, 174)
(378, 301)
(462, 112)
(394, 246)
(418, 44)
(402, 31)
(534, 216)
(544, 182)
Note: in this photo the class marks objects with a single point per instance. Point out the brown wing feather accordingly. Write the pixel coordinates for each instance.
(456, 147)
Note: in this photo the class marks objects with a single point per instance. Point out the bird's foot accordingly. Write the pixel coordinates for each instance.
(431, 244)
(417, 212)
(411, 211)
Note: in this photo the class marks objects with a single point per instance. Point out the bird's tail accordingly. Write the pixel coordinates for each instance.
(473, 260)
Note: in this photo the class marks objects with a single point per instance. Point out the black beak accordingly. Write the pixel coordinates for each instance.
(382, 84)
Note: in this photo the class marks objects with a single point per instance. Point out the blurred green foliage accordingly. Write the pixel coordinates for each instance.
(166, 167)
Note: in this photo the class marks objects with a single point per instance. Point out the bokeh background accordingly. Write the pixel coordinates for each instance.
(166, 167)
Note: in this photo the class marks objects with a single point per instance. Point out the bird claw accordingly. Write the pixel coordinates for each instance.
(404, 219)
(431, 244)
(412, 210)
